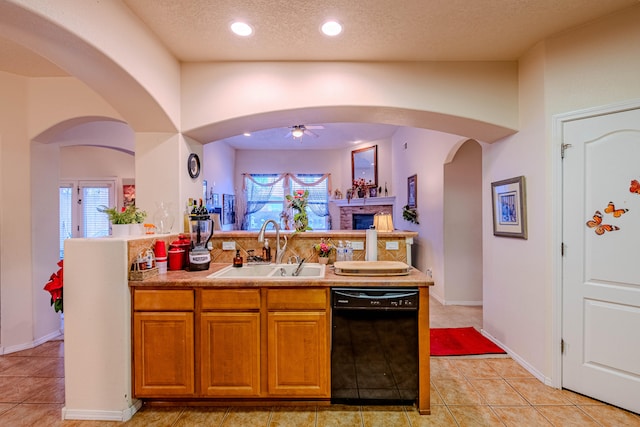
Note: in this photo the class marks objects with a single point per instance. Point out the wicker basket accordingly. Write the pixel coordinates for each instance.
(140, 275)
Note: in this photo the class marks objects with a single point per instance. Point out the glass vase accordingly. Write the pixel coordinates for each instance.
(302, 223)
(163, 218)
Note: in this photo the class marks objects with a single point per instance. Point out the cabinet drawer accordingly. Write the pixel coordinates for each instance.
(163, 300)
(297, 299)
(231, 299)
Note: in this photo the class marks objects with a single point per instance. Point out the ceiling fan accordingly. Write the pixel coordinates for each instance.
(298, 131)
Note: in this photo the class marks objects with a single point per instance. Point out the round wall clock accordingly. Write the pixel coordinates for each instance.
(193, 165)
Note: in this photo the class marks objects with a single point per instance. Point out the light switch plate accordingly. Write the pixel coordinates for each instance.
(391, 246)
(357, 246)
(228, 246)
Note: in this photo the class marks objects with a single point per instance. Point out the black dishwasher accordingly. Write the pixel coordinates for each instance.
(374, 351)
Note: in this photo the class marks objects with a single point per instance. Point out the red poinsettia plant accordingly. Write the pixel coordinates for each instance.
(54, 286)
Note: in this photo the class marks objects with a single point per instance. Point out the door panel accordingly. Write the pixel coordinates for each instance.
(601, 281)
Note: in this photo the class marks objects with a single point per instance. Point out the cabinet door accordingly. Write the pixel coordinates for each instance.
(230, 354)
(298, 354)
(163, 352)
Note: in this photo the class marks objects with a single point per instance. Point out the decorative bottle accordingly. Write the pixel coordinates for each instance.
(237, 261)
(266, 251)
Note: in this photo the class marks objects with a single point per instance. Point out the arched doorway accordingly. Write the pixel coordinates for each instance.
(463, 224)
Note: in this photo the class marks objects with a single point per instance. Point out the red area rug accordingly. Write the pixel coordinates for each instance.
(461, 342)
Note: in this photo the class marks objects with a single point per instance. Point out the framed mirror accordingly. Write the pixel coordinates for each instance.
(364, 164)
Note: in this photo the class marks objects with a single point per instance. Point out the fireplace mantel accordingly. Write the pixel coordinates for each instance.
(370, 201)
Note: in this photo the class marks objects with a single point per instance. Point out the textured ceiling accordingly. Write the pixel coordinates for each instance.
(374, 30)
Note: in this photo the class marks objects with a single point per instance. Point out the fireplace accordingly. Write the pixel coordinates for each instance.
(354, 212)
(361, 221)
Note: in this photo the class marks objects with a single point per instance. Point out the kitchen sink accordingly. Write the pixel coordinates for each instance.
(270, 271)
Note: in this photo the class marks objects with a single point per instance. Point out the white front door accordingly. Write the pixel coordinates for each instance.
(601, 263)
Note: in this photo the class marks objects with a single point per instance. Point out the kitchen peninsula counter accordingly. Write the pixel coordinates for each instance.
(98, 308)
(277, 322)
(183, 278)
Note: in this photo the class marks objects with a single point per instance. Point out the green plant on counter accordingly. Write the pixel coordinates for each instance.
(410, 214)
(129, 215)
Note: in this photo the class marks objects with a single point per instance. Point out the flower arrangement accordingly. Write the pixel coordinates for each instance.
(54, 287)
(359, 186)
(127, 215)
(299, 203)
(324, 248)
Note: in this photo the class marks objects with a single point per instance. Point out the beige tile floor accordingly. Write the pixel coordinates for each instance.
(493, 391)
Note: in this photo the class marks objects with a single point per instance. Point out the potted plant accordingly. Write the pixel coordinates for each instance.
(55, 287)
(122, 220)
(324, 249)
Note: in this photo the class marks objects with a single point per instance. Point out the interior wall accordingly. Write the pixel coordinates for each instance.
(44, 237)
(28, 254)
(593, 65)
(95, 162)
(424, 153)
(477, 99)
(16, 289)
(219, 169)
(516, 272)
(463, 226)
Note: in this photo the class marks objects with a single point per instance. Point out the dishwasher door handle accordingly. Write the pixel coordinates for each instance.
(362, 295)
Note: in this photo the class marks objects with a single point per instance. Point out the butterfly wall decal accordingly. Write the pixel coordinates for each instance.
(611, 209)
(598, 226)
(635, 186)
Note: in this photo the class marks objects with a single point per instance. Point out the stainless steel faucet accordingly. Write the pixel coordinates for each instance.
(279, 250)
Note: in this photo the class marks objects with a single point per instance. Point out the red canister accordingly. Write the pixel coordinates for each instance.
(183, 242)
(176, 259)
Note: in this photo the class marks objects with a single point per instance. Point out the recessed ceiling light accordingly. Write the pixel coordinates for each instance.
(247, 134)
(241, 28)
(331, 28)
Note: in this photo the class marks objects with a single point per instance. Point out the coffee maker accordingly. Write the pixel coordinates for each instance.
(201, 227)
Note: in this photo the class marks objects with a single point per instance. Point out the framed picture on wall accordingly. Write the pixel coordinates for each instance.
(216, 200)
(228, 209)
(412, 191)
(509, 208)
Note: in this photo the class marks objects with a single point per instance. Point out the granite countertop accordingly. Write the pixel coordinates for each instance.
(182, 278)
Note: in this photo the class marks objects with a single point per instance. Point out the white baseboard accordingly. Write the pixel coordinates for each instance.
(445, 302)
(98, 415)
(32, 344)
(437, 298)
(467, 303)
(533, 371)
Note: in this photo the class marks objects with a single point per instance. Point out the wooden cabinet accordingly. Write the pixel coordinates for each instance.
(163, 345)
(230, 343)
(298, 343)
(237, 343)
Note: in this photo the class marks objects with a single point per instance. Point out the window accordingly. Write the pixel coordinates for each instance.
(266, 199)
(79, 216)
